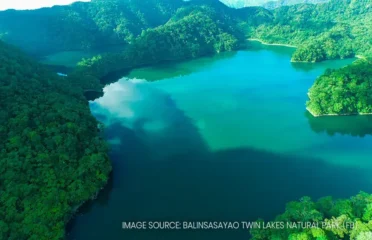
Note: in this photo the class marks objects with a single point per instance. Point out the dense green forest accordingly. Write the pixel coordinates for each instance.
(52, 157)
(207, 27)
(344, 91)
(337, 29)
(82, 25)
(334, 219)
(192, 32)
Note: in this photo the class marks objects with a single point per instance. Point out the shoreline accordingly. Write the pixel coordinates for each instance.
(293, 61)
(335, 115)
(271, 44)
(360, 57)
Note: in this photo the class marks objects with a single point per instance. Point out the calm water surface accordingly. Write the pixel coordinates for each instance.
(224, 138)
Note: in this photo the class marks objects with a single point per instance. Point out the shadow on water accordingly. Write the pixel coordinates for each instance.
(173, 176)
(59, 68)
(345, 125)
(333, 64)
(255, 46)
(91, 95)
(178, 68)
(114, 76)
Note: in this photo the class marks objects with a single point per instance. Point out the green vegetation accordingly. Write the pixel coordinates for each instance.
(332, 30)
(338, 29)
(192, 32)
(52, 157)
(96, 24)
(334, 44)
(344, 91)
(330, 220)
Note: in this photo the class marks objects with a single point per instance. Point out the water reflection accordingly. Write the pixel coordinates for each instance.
(163, 170)
(255, 46)
(150, 114)
(166, 70)
(344, 125)
(333, 64)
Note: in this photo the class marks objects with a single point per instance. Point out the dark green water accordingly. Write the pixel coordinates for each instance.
(225, 138)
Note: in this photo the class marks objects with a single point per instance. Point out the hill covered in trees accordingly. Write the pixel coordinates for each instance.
(344, 91)
(83, 25)
(338, 29)
(329, 219)
(192, 32)
(332, 30)
(52, 157)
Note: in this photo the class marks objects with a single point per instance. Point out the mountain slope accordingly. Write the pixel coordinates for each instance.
(194, 31)
(338, 29)
(344, 91)
(52, 157)
(83, 25)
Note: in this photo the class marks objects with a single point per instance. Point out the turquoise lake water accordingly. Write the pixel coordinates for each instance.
(223, 138)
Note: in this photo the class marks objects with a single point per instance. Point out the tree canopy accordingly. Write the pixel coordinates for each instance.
(332, 30)
(330, 219)
(52, 157)
(82, 25)
(343, 91)
(194, 31)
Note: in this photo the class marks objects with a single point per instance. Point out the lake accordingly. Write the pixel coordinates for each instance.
(223, 138)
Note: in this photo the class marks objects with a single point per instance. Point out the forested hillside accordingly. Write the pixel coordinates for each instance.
(329, 218)
(337, 29)
(344, 91)
(192, 32)
(83, 25)
(52, 157)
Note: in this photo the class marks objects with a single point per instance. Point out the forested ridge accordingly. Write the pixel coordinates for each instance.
(343, 91)
(332, 30)
(81, 25)
(330, 219)
(193, 31)
(338, 29)
(204, 27)
(52, 157)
